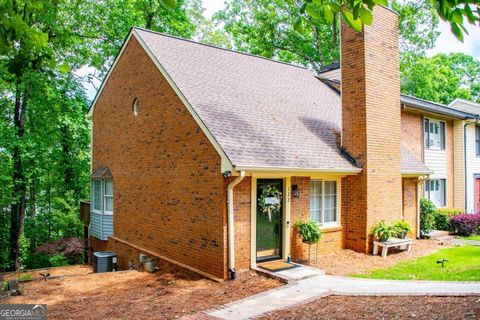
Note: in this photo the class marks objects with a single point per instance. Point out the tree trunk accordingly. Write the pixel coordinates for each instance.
(18, 206)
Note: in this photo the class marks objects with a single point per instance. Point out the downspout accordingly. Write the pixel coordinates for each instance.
(465, 165)
(230, 224)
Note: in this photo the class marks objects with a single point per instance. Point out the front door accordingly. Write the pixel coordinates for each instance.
(477, 194)
(269, 219)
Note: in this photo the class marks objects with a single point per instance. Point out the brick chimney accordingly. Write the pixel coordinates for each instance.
(371, 126)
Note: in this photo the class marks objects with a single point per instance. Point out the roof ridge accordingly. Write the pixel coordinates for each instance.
(220, 48)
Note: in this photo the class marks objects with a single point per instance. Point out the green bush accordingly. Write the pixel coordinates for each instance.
(442, 218)
(403, 228)
(382, 231)
(427, 216)
(58, 260)
(309, 231)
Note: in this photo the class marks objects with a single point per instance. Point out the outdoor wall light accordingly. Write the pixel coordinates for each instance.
(295, 191)
(227, 174)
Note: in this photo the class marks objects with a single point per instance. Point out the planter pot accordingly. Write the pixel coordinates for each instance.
(402, 235)
(384, 238)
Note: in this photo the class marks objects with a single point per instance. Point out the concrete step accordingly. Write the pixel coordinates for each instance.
(294, 274)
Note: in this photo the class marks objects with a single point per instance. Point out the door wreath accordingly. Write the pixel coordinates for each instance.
(270, 200)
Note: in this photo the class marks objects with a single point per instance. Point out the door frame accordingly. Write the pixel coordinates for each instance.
(285, 246)
(475, 195)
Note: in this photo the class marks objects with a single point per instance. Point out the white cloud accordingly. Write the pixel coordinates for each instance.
(447, 43)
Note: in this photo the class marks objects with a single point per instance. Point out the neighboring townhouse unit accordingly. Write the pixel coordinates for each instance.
(194, 145)
(467, 157)
(434, 134)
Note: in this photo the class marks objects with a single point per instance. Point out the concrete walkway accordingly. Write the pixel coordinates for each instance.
(310, 289)
(465, 242)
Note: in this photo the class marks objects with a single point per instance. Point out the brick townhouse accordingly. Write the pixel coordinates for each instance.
(192, 144)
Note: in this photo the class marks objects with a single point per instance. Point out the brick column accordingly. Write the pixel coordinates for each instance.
(371, 126)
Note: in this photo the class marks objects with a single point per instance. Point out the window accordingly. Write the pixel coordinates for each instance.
(108, 195)
(434, 134)
(435, 191)
(97, 195)
(477, 140)
(102, 196)
(323, 202)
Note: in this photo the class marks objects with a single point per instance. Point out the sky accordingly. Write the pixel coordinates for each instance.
(446, 42)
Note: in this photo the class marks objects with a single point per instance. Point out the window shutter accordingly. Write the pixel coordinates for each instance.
(427, 133)
(442, 135)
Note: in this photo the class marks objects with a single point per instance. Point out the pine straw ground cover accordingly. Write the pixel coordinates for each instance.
(348, 262)
(384, 308)
(137, 295)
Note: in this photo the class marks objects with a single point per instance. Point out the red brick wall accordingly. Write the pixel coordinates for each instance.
(410, 203)
(412, 133)
(242, 217)
(332, 238)
(169, 193)
(371, 126)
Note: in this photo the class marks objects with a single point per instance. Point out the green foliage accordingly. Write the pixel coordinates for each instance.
(462, 265)
(357, 13)
(278, 29)
(44, 136)
(427, 216)
(442, 218)
(309, 231)
(382, 231)
(403, 228)
(441, 78)
(25, 277)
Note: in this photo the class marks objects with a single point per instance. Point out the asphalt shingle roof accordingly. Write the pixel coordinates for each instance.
(262, 113)
(412, 165)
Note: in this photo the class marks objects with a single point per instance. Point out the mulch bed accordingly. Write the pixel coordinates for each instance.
(137, 295)
(347, 262)
(395, 308)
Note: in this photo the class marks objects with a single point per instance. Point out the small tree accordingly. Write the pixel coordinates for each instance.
(427, 216)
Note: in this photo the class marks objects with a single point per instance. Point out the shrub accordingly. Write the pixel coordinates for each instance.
(466, 224)
(383, 231)
(442, 218)
(403, 228)
(427, 216)
(309, 231)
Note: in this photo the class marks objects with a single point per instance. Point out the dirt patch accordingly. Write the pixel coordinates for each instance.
(340, 307)
(137, 295)
(54, 272)
(347, 262)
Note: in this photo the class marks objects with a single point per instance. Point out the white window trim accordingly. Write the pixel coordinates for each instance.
(105, 196)
(428, 196)
(92, 191)
(102, 197)
(430, 121)
(336, 223)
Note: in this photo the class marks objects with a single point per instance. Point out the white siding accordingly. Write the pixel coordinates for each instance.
(437, 161)
(473, 167)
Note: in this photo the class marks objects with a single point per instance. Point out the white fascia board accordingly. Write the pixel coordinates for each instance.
(99, 92)
(343, 171)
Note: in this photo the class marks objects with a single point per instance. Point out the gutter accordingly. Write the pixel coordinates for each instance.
(231, 227)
